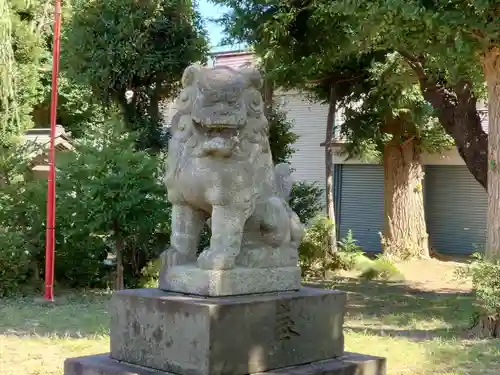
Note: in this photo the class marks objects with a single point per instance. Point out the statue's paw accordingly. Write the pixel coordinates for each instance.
(173, 257)
(211, 260)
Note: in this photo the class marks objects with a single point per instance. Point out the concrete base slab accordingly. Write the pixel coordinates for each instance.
(233, 335)
(190, 279)
(349, 364)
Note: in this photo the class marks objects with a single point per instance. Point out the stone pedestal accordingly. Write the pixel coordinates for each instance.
(190, 335)
(190, 279)
(348, 364)
(157, 332)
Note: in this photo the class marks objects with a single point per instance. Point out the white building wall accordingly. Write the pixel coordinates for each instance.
(167, 109)
(309, 123)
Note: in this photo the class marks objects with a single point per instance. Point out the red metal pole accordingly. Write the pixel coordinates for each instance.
(51, 189)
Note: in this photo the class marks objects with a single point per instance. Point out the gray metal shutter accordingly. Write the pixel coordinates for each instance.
(456, 209)
(362, 204)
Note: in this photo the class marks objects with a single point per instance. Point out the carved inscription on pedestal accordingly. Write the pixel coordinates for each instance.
(285, 325)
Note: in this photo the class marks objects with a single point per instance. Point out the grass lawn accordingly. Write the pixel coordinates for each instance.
(419, 325)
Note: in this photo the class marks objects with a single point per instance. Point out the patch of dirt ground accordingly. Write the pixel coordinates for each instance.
(429, 275)
(434, 275)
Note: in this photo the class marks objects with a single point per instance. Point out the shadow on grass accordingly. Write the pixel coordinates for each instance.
(478, 357)
(411, 334)
(375, 307)
(438, 320)
(81, 314)
(394, 309)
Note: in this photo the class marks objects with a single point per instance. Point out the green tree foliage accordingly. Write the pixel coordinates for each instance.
(23, 203)
(26, 74)
(22, 50)
(20, 214)
(306, 200)
(110, 198)
(291, 38)
(293, 46)
(77, 110)
(442, 41)
(281, 135)
(143, 46)
(445, 43)
(375, 117)
(116, 194)
(423, 28)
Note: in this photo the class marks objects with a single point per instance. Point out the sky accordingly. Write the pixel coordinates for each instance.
(208, 11)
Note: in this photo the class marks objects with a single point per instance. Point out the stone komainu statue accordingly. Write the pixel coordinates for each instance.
(219, 166)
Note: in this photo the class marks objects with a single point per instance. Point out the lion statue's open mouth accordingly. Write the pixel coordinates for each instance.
(217, 139)
(219, 112)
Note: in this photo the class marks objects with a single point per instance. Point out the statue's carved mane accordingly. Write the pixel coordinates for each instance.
(221, 85)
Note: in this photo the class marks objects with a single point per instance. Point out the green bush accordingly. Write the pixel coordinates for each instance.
(314, 255)
(114, 196)
(316, 259)
(108, 195)
(22, 218)
(485, 275)
(349, 261)
(352, 257)
(80, 260)
(348, 244)
(137, 256)
(381, 268)
(79, 254)
(150, 274)
(306, 201)
(350, 254)
(15, 262)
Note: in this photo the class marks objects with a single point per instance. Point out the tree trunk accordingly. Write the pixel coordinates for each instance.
(119, 279)
(405, 232)
(329, 154)
(155, 132)
(154, 106)
(485, 326)
(457, 112)
(491, 64)
(463, 124)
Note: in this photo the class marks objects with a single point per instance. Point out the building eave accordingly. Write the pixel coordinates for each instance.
(230, 51)
(41, 136)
